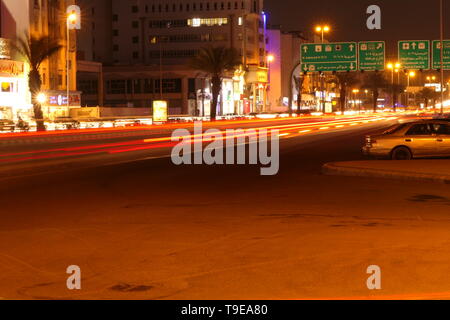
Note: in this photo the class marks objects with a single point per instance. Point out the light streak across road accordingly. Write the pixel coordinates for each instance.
(285, 131)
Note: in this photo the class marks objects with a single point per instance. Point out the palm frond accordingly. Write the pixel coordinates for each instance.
(215, 61)
(35, 50)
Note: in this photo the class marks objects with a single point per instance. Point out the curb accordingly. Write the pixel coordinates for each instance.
(335, 169)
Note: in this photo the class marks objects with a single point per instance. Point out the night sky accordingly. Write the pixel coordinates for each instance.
(401, 19)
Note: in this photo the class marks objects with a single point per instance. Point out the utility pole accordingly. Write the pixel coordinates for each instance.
(442, 53)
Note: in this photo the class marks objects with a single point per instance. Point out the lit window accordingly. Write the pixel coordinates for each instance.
(196, 22)
(7, 87)
(240, 21)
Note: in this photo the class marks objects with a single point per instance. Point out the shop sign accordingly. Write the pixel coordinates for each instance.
(11, 68)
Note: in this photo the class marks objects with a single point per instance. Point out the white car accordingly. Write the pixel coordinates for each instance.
(418, 139)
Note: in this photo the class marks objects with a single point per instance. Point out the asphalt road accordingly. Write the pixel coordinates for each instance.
(151, 230)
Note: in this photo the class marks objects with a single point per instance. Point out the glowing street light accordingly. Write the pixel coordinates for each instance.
(322, 30)
(394, 67)
(41, 98)
(72, 18)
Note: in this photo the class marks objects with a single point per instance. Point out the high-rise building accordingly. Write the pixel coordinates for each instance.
(141, 41)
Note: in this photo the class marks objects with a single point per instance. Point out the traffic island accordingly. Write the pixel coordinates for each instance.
(418, 170)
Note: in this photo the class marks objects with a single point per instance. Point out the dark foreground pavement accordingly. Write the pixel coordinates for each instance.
(151, 230)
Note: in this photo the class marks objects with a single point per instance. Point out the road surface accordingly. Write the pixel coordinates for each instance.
(147, 229)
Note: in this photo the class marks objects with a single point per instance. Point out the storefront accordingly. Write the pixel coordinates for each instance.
(239, 91)
(257, 78)
(14, 94)
(227, 97)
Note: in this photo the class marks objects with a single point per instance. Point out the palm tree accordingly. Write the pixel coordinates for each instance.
(344, 80)
(216, 62)
(395, 89)
(35, 50)
(427, 94)
(374, 82)
(299, 81)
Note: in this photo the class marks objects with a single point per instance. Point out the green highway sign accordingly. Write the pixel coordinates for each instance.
(316, 57)
(437, 54)
(372, 55)
(414, 55)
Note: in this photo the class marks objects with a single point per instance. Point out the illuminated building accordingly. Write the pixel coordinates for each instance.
(132, 39)
(38, 17)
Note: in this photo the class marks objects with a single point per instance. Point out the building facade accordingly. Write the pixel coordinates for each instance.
(49, 18)
(14, 95)
(37, 18)
(146, 44)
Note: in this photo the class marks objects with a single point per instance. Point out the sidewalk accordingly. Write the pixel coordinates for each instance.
(419, 170)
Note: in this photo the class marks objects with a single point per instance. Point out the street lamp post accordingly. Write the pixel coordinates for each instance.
(70, 18)
(394, 67)
(355, 100)
(441, 6)
(270, 59)
(322, 30)
(410, 75)
(72, 23)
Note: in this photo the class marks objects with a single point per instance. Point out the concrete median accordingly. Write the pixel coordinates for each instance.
(418, 170)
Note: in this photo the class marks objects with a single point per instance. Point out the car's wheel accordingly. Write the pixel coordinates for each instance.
(401, 153)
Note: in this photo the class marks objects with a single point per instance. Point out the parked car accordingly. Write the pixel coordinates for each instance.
(7, 125)
(418, 139)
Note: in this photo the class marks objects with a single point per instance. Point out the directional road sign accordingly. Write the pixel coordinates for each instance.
(437, 54)
(372, 55)
(329, 57)
(414, 55)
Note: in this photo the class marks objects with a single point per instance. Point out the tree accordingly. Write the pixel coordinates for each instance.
(374, 82)
(427, 94)
(35, 50)
(216, 62)
(395, 89)
(344, 80)
(299, 81)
